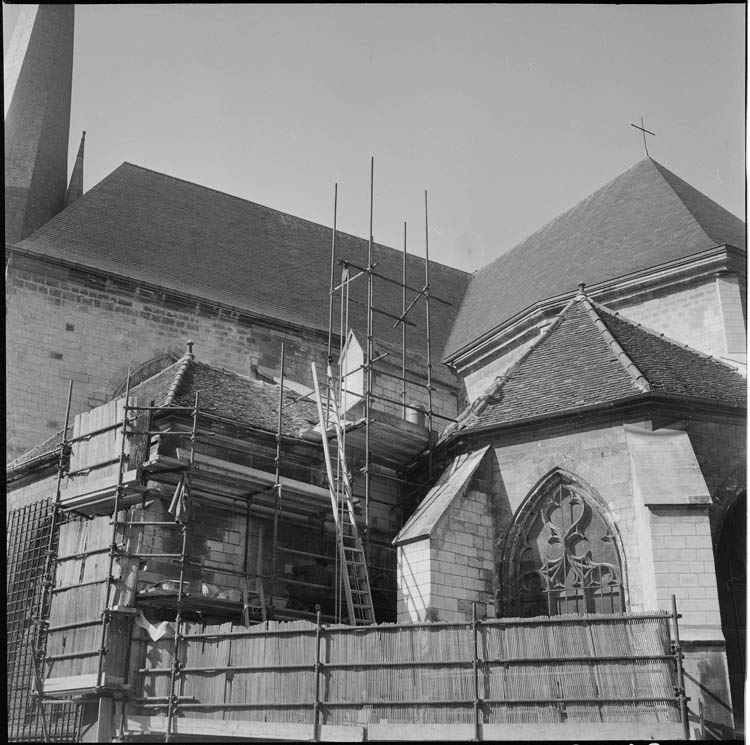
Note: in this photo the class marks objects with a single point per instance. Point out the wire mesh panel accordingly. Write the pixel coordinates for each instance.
(28, 539)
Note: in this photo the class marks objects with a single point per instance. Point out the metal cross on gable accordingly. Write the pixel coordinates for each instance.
(645, 132)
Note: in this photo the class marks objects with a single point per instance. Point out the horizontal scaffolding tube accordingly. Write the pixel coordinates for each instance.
(76, 625)
(426, 702)
(73, 655)
(83, 554)
(392, 281)
(397, 403)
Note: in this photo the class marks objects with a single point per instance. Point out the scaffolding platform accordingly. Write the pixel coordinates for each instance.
(211, 476)
(96, 497)
(220, 610)
(82, 686)
(393, 440)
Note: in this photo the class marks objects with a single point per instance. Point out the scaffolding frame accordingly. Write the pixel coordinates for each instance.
(368, 396)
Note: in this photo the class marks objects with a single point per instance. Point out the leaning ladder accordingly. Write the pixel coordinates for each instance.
(351, 552)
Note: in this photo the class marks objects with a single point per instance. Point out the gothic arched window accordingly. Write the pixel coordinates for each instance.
(562, 555)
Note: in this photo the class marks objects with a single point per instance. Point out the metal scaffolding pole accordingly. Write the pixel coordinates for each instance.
(182, 509)
(277, 485)
(113, 548)
(426, 294)
(368, 366)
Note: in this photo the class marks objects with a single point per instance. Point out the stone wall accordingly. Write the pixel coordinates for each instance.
(64, 324)
(692, 314)
(33, 491)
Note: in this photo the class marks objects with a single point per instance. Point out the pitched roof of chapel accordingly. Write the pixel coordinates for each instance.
(590, 356)
(221, 393)
(225, 394)
(645, 217)
(180, 236)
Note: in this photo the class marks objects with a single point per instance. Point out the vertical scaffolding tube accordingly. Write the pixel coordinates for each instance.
(173, 699)
(427, 322)
(316, 705)
(368, 366)
(475, 667)
(333, 263)
(680, 691)
(106, 613)
(47, 576)
(277, 485)
(403, 329)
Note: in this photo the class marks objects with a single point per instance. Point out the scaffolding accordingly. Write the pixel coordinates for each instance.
(110, 482)
(337, 387)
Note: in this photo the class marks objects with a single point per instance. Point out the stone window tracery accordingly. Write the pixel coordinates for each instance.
(563, 556)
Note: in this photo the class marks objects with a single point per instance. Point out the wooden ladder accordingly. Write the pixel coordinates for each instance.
(351, 552)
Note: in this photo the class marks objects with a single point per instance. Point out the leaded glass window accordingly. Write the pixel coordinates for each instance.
(563, 555)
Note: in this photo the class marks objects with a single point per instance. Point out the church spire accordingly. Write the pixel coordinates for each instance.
(38, 82)
(75, 188)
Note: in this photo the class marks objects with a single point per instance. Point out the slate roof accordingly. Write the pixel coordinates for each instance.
(225, 394)
(645, 217)
(164, 231)
(590, 356)
(222, 393)
(452, 484)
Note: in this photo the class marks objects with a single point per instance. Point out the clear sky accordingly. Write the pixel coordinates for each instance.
(506, 114)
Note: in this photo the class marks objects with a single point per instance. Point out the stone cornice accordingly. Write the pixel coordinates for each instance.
(723, 258)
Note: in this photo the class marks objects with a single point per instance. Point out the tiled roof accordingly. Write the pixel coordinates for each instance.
(164, 231)
(247, 402)
(591, 356)
(225, 394)
(645, 217)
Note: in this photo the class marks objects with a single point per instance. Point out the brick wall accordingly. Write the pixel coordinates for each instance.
(32, 492)
(598, 457)
(683, 563)
(62, 324)
(691, 314)
(58, 329)
(463, 560)
(707, 314)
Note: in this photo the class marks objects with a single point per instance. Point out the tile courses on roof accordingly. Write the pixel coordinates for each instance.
(180, 236)
(590, 356)
(225, 394)
(245, 402)
(645, 217)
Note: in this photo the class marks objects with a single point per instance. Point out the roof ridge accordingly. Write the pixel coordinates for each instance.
(661, 168)
(277, 211)
(182, 366)
(663, 337)
(638, 378)
(483, 401)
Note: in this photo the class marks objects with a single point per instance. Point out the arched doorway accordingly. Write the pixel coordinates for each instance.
(731, 582)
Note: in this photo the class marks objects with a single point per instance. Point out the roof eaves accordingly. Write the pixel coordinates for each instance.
(662, 337)
(704, 261)
(638, 378)
(483, 401)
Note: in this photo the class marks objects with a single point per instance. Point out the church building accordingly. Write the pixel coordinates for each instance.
(216, 443)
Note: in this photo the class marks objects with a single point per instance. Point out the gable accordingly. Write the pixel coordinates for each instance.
(451, 485)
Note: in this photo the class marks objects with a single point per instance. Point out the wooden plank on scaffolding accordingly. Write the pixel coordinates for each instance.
(241, 728)
(207, 464)
(79, 684)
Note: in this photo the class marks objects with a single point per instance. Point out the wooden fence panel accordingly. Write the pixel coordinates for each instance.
(528, 671)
